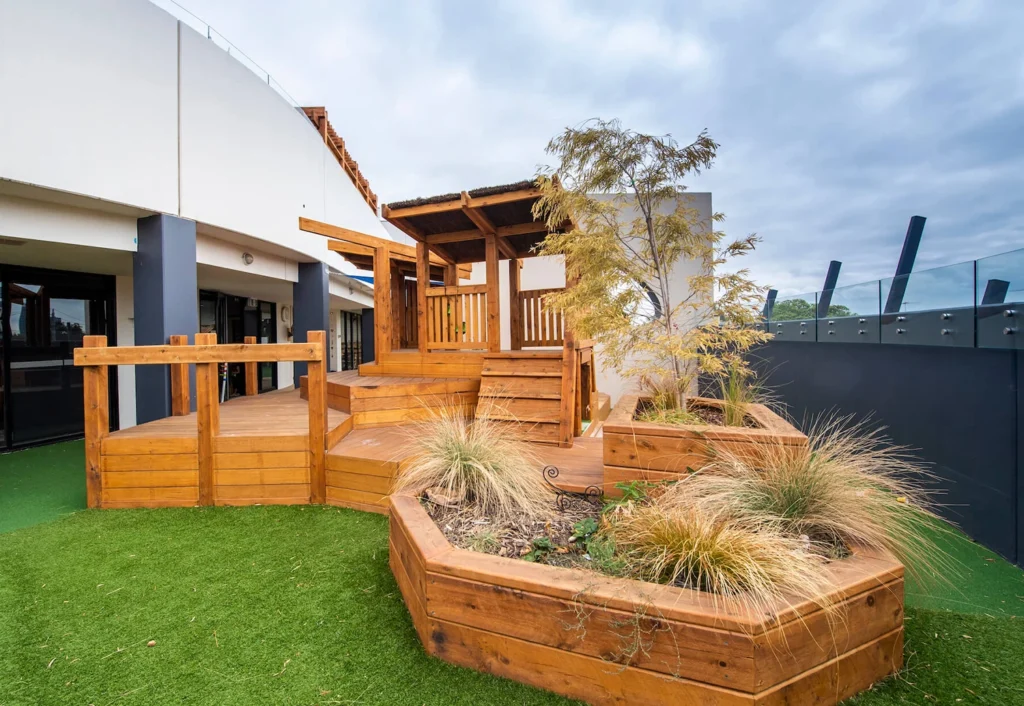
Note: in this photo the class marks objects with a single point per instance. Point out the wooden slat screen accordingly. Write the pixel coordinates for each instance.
(542, 326)
(457, 317)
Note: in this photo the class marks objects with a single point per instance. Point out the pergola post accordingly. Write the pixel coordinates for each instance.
(381, 303)
(493, 302)
(397, 305)
(422, 282)
(515, 307)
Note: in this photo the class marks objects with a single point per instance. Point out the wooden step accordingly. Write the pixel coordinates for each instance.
(518, 374)
(524, 392)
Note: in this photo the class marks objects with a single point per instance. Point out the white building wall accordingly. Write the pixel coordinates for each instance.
(107, 98)
(88, 99)
(547, 272)
(124, 302)
(28, 219)
(252, 163)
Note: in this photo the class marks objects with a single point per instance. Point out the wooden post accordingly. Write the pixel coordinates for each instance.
(318, 421)
(181, 398)
(493, 302)
(566, 421)
(397, 310)
(207, 419)
(252, 386)
(97, 422)
(454, 304)
(381, 303)
(515, 307)
(422, 282)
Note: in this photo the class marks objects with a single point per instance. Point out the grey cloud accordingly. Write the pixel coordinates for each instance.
(838, 121)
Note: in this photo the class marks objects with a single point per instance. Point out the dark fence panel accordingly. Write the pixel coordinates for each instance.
(960, 408)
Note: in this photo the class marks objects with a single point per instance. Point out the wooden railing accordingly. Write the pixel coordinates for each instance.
(542, 326)
(95, 357)
(457, 317)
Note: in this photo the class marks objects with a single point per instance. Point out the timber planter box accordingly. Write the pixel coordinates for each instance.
(615, 641)
(641, 451)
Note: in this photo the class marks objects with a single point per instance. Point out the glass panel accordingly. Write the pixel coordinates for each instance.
(45, 387)
(947, 287)
(1001, 278)
(795, 308)
(1000, 295)
(855, 300)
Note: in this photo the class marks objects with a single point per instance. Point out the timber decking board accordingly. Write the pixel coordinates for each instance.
(261, 455)
(280, 413)
(375, 401)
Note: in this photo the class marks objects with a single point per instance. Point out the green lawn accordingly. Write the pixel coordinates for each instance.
(41, 484)
(297, 606)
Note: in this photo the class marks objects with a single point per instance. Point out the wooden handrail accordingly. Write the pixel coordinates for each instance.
(94, 357)
(200, 353)
(460, 289)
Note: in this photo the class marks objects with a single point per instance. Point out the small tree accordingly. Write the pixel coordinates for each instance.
(632, 223)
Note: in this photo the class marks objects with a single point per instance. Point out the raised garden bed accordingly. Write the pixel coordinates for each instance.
(636, 450)
(608, 640)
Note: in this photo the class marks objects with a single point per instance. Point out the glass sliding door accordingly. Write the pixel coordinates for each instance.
(45, 314)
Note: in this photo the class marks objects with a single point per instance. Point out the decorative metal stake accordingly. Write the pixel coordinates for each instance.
(592, 494)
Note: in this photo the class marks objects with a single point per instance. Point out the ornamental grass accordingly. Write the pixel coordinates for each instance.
(848, 487)
(476, 461)
(693, 548)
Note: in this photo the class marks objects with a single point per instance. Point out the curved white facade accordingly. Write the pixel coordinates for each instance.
(112, 110)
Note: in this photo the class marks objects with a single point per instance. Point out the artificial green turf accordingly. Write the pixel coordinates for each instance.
(41, 484)
(297, 605)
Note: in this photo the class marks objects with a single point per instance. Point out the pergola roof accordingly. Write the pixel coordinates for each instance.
(455, 225)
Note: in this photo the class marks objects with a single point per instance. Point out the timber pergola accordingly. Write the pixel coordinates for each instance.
(482, 225)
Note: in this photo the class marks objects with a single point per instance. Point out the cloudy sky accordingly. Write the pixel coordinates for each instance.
(838, 120)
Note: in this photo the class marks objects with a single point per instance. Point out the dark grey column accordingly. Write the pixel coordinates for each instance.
(366, 336)
(310, 306)
(166, 303)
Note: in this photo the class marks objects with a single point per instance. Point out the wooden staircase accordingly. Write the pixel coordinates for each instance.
(524, 388)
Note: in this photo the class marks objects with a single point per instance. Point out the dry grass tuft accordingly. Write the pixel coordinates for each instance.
(478, 462)
(847, 487)
(760, 565)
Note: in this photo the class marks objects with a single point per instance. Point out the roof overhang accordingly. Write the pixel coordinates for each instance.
(456, 226)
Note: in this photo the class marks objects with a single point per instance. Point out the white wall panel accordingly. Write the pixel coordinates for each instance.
(88, 99)
(252, 163)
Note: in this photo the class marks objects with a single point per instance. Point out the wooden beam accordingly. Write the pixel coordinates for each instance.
(455, 236)
(493, 302)
(199, 353)
(422, 282)
(515, 306)
(369, 243)
(345, 248)
(481, 221)
(421, 210)
(381, 304)
(317, 389)
(507, 197)
(97, 423)
(458, 236)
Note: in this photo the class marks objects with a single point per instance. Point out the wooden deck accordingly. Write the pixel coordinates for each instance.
(260, 456)
(362, 467)
(375, 401)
